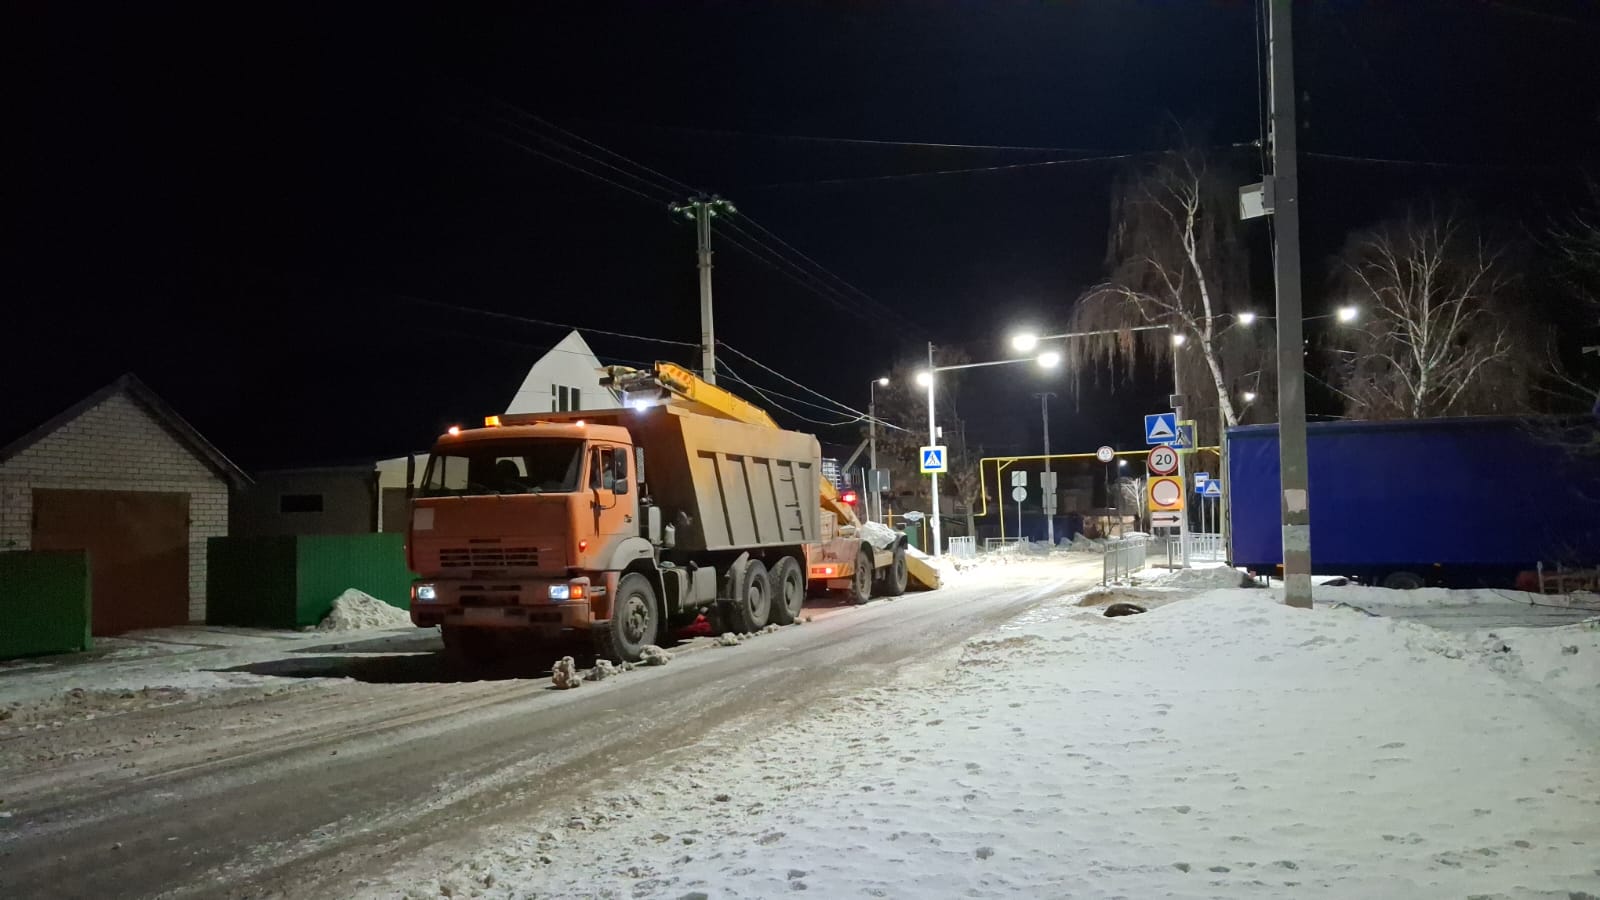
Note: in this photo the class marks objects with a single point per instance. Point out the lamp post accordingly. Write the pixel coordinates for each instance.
(872, 445)
(1049, 359)
(1026, 342)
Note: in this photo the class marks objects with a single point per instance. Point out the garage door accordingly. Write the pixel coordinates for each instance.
(138, 547)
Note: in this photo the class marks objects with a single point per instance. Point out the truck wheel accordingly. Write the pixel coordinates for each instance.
(751, 605)
(1403, 581)
(788, 590)
(861, 585)
(891, 581)
(635, 619)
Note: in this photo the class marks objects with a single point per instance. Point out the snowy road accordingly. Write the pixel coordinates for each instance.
(297, 786)
(1221, 745)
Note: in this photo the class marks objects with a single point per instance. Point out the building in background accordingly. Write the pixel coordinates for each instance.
(122, 476)
(566, 378)
(321, 500)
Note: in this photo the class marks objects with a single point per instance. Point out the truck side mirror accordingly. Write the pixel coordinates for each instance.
(620, 487)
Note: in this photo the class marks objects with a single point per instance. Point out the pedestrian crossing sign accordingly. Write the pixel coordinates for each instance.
(934, 460)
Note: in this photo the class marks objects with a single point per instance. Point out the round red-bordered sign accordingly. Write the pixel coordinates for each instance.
(1162, 461)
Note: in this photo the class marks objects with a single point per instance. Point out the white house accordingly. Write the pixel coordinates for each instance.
(566, 378)
(124, 477)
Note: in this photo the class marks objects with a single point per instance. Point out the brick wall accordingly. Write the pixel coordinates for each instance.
(116, 446)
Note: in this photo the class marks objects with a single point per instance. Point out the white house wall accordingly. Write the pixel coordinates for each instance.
(116, 446)
(568, 364)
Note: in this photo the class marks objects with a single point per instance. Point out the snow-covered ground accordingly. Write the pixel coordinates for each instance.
(1220, 745)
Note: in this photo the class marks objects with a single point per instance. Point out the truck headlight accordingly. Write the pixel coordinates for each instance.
(560, 592)
(426, 593)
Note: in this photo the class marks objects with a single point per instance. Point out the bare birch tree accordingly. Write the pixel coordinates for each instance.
(1437, 335)
(1176, 259)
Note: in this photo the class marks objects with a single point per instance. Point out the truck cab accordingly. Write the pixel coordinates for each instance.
(523, 527)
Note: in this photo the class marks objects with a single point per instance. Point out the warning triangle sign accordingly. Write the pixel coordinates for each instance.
(1161, 431)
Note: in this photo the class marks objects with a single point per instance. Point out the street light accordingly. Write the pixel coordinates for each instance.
(1249, 396)
(1247, 318)
(872, 442)
(1348, 314)
(1046, 360)
(1179, 339)
(1024, 342)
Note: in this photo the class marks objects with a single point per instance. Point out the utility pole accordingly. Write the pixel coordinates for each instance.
(1048, 482)
(701, 209)
(1291, 342)
(933, 440)
(876, 489)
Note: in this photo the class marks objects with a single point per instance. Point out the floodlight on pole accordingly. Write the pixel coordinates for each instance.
(884, 381)
(1247, 318)
(1249, 396)
(1049, 359)
(1348, 314)
(1178, 339)
(924, 379)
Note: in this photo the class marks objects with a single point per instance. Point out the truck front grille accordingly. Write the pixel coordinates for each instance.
(488, 557)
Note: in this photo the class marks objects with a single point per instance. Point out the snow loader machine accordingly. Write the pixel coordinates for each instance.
(623, 525)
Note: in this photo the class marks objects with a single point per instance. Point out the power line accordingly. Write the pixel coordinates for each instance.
(556, 159)
(529, 320)
(903, 176)
(857, 291)
(814, 286)
(663, 183)
(759, 364)
(802, 417)
(1496, 167)
(648, 183)
(822, 139)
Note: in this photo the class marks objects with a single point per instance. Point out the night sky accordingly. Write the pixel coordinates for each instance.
(276, 219)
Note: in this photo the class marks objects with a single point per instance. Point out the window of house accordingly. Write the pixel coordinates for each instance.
(300, 503)
(564, 399)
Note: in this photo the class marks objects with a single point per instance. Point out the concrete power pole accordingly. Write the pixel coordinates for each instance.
(1048, 482)
(1291, 343)
(933, 440)
(701, 210)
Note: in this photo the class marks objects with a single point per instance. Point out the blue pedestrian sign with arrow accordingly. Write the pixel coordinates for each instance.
(934, 459)
(1161, 428)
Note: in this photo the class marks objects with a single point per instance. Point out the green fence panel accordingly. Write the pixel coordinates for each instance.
(328, 565)
(250, 582)
(44, 602)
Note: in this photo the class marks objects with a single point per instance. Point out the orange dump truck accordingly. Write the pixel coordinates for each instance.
(619, 525)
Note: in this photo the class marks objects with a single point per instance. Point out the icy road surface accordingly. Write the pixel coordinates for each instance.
(299, 765)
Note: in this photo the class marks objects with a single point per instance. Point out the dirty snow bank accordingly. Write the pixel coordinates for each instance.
(354, 610)
(1220, 747)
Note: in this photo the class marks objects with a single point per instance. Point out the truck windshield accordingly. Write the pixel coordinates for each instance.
(505, 467)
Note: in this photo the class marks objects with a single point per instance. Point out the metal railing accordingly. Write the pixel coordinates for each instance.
(962, 548)
(1207, 547)
(990, 545)
(1124, 556)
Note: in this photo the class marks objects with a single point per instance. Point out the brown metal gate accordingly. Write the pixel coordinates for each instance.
(138, 545)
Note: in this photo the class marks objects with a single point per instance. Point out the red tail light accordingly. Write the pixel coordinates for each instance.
(848, 497)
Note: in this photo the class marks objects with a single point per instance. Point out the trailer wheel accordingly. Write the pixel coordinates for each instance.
(751, 605)
(861, 585)
(892, 582)
(635, 620)
(788, 590)
(1403, 581)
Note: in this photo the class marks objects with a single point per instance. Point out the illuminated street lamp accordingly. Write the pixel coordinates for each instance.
(1046, 360)
(1347, 314)
(1247, 318)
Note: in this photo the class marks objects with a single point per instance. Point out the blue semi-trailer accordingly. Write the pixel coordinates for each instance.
(1464, 502)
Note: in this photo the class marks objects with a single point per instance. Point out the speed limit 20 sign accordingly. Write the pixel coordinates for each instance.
(1162, 461)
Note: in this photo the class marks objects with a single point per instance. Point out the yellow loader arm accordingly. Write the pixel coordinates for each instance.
(686, 390)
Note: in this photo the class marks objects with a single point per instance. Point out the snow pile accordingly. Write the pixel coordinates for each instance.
(879, 535)
(354, 610)
(603, 669)
(728, 639)
(651, 655)
(1223, 746)
(1083, 544)
(1206, 579)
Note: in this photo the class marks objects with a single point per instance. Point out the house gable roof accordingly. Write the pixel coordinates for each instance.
(147, 399)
